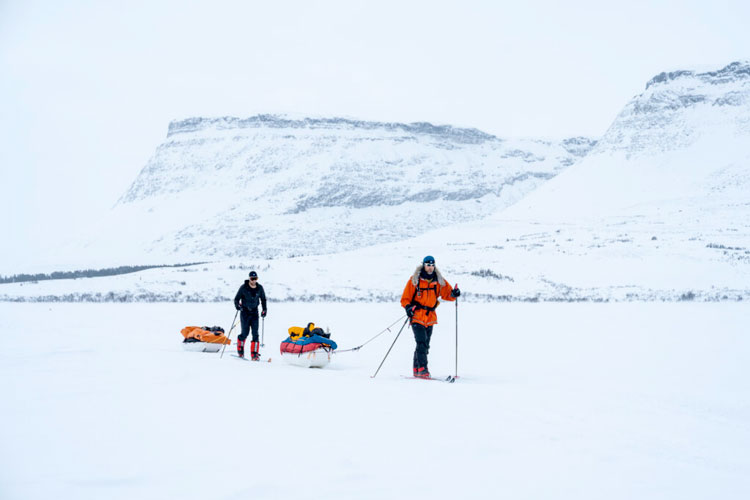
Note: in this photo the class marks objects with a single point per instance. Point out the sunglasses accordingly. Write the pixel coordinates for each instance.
(431, 264)
(253, 279)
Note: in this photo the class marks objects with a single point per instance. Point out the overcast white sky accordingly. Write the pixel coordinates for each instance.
(87, 88)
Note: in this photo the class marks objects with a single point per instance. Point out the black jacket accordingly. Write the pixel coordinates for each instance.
(250, 297)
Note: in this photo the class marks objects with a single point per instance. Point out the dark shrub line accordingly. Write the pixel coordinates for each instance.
(86, 273)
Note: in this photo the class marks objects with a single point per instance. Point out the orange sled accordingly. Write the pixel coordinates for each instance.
(203, 338)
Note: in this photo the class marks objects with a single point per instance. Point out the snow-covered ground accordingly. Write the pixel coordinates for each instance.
(664, 252)
(615, 401)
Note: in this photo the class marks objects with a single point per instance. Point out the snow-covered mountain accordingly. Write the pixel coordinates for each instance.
(684, 141)
(273, 186)
(678, 108)
(659, 209)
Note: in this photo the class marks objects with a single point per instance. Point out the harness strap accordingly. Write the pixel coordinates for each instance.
(426, 308)
(420, 306)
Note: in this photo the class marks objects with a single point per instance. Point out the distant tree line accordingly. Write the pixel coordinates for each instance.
(86, 273)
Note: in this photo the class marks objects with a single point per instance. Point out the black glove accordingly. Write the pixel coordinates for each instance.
(410, 310)
(455, 292)
(263, 313)
(239, 308)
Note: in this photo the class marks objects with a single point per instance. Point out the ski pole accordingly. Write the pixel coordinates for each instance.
(389, 349)
(456, 376)
(229, 336)
(263, 332)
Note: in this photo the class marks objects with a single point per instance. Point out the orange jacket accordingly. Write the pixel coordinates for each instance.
(425, 293)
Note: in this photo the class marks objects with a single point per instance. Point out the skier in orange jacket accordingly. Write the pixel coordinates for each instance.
(420, 299)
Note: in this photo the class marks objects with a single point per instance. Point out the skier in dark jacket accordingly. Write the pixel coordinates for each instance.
(248, 297)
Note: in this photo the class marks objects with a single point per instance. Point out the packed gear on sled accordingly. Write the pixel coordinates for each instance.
(310, 347)
(203, 338)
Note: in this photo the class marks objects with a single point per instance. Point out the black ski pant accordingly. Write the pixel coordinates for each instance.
(422, 335)
(248, 319)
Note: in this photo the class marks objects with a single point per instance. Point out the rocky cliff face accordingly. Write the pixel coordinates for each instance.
(679, 108)
(681, 147)
(269, 186)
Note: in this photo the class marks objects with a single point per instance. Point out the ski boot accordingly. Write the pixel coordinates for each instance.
(240, 348)
(254, 354)
(422, 372)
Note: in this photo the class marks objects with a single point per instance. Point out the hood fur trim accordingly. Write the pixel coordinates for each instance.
(415, 276)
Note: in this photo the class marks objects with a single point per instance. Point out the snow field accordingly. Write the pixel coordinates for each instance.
(626, 400)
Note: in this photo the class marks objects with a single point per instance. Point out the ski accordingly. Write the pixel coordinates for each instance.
(248, 359)
(450, 378)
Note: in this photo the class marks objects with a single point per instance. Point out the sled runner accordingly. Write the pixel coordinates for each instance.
(308, 347)
(203, 338)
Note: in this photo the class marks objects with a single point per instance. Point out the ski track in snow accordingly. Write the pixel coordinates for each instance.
(616, 401)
